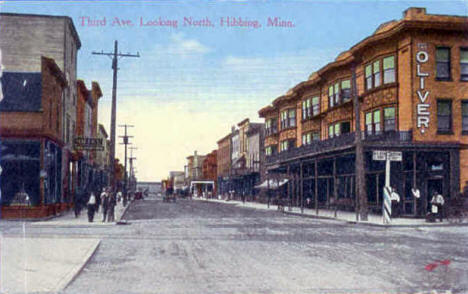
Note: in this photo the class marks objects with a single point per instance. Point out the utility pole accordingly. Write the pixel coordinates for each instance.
(115, 55)
(131, 159)
(361, 191)
(125, 142)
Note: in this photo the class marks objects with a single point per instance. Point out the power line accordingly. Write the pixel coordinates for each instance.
(115, 56)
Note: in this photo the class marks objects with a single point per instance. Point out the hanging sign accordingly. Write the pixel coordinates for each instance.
(85, 143)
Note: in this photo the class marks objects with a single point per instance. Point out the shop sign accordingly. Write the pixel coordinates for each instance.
(88, 143)
(422, 105)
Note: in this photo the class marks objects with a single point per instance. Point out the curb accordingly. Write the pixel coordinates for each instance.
(445, 224)
(123, 212)
(63, 285)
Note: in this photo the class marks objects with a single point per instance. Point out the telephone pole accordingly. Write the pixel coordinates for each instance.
(125, 142)
(115, 56)
(361, 190)
(131, 159)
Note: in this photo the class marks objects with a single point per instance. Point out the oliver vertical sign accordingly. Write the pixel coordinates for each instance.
(422, 105)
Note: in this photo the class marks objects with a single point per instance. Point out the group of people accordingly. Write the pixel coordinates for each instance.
(437, 203)
(108, 200)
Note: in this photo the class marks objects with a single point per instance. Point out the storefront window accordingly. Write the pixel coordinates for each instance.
(20, 162)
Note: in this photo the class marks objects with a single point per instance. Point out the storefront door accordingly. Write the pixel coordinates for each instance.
(433, 184)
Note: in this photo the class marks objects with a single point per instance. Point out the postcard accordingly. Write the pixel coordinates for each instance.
(226, 147)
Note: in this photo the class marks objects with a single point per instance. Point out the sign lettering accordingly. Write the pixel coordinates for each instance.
(422, 107)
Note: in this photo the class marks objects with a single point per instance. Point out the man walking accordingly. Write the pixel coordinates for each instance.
(105, 204)
(111, 207)
(91, 207)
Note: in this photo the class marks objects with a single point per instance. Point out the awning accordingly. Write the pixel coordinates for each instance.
(274, 184)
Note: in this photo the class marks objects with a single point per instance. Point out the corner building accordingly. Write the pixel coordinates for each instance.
(410, 79)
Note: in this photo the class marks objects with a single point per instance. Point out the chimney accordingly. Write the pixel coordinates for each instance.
(414, 13)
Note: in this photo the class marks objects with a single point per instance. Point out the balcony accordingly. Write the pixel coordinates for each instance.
(342, 141)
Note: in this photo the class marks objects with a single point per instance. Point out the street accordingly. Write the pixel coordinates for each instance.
(194, 246)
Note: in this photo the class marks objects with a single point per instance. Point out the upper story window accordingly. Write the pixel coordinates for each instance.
(376, 72)
(287, 145)
(389, 69)
(389, 119)
(288, 118)
(464, 64)
(339, 128)
(373, 72)
(346, 90)
(310, 107)
(444, 116)
(271, 126)
(271, 150)
(307, 138)
(339, 92)
(464, 107)
(373, 122)
(443, 63)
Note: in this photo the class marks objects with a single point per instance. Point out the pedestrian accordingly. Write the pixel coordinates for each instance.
(91, 207)
(105, 204)
(111, 207)
(437, 202)
(77, 204)
(395, 200)
(98, 200)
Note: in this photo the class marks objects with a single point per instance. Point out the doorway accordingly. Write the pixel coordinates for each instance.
(433, 184)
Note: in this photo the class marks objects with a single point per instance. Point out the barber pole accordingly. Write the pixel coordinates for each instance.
(387, 206)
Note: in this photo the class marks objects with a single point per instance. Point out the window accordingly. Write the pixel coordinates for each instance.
(389, 119)
(288, 118)
(464, 64)
(346, 90)
(284, 119)
(270, 150)
(307, 138)
(376, 116)
(444, 116)
(330, 97)
(337, 129)
(443, 63)
(336, 95)
(286, 145)
(369, 77)
(376, 67)
(330, 131)
(306, 109)
(271, 126)
(292, 117)
(465, 117)
(315, 106)
(369, 129)
(389, 69)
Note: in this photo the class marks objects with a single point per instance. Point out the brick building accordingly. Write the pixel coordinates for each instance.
(24, 38)
(209, 169)
(31, 145)
(409, 79)
(223, 159)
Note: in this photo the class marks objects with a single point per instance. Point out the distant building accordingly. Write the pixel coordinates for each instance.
(223, 159)
(209, 169)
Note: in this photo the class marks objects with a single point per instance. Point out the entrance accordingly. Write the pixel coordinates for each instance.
(433, 184)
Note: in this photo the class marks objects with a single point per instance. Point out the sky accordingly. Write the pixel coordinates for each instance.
(192, 83)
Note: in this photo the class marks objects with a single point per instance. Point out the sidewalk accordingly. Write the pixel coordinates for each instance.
(32, 265)
(345, 216)
(69, 220)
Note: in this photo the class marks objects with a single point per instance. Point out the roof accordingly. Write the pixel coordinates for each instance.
(22, 91)
(69, 19)
(413, 18)
(103, 130)
(224, 138)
